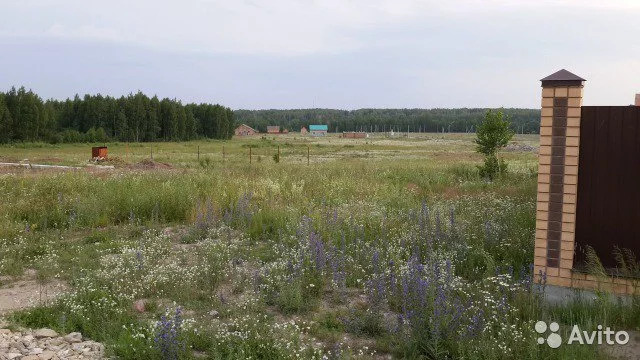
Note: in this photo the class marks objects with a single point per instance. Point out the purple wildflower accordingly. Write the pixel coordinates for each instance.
(167, 339)
(316, 246)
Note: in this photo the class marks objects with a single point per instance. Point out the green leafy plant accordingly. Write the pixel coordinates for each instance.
(492, 135)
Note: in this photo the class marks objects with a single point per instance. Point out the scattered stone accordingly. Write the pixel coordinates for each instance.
(45, 344)
(213, 313)
(138, 306)
(74, 337)
(47, 355)
(57, 341)
(43, 333)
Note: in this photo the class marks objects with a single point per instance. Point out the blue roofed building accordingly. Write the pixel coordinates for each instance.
(318, 130)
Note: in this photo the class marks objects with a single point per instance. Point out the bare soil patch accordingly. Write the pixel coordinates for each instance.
(27, 291)
(148, 164)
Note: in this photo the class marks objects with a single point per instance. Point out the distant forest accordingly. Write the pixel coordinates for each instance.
(24, 116)
(414, 120)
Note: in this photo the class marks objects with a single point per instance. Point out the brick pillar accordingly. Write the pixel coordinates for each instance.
(558, 176)
(637, 99)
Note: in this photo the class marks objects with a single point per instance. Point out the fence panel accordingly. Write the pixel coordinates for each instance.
(608, 202)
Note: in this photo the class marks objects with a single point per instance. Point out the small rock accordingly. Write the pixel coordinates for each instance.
(5, 331)
(213, 313)
(56, 341)
(20, 346)
(74, 337)
(30, 357)
(138, 306)
(42, 333)
(47, 355)
(78, 346)
(13, 355)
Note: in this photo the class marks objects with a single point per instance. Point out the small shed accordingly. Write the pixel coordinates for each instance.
(245, 130)
(318, 130)
(304, 131)
(99, 152)
(273, 129)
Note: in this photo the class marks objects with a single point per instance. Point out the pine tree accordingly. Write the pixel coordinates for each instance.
(6, 125)
(24, 116)
(190, 124)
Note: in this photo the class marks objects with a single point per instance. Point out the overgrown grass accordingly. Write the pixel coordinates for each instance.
(405, 251)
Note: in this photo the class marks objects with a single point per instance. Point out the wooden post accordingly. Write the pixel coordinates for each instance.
(249, 154)
(308, 151)
(127, 152)
(151, 152)
(278, 153)
(223, 154)
(198, 152)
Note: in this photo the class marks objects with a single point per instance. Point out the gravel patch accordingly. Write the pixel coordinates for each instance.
(46, 344)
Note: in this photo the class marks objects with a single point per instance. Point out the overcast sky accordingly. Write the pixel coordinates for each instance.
(348, 54)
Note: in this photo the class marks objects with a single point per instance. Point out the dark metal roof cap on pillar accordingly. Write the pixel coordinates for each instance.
(562, 78)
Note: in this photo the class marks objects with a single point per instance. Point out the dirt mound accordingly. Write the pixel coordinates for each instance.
(112, 160)
(148, 164)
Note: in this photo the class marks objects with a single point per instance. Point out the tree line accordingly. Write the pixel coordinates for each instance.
(24, 116)
(383, 120)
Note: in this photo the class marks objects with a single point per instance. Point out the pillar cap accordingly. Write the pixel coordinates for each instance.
(562, 78)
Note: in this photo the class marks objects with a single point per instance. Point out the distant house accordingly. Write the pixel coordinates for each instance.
(245, 130)
(354, 134)
(304, 131)
(275, 129)
(318, 130)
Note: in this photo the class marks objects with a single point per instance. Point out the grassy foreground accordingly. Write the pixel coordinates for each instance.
(377, 248)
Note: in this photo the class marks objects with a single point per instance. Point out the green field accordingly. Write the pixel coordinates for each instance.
(369, 248)
(453, 148)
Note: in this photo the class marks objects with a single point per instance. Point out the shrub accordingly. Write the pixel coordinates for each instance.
(492, 135)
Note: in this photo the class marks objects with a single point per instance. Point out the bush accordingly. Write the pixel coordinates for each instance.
(492, 135)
